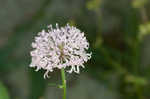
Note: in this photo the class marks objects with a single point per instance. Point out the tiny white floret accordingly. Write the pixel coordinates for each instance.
(59, 48)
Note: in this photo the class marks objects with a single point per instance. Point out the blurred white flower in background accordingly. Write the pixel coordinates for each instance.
(60, 48)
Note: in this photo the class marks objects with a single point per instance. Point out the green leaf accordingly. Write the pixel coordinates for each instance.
(136, 80)
(93, 4)
(139, 3)
(3, 92)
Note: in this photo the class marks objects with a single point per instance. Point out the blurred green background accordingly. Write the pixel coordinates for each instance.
(118, 32)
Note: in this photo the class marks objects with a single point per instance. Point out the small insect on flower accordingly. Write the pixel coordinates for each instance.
(60, 48)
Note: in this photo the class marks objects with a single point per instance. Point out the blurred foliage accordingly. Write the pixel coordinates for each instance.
(136, 80)
(139, 3)
(3, 92)
(144, 30)
(116, 31)
(93, 4)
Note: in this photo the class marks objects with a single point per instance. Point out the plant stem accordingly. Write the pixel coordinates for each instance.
(63, 82)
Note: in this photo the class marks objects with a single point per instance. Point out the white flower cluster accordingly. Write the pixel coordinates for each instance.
(60, 48)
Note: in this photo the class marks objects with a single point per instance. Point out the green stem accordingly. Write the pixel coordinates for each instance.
(63, 82)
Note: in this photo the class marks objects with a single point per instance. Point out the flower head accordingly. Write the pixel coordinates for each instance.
(60, 48)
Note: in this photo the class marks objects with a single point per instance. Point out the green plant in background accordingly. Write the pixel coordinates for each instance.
(93, 4)
(144, 30)
(126, 63)
(139, 3)
(3, 92)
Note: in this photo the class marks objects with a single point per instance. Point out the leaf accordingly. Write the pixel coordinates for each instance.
(3, 92)
(136, 80)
